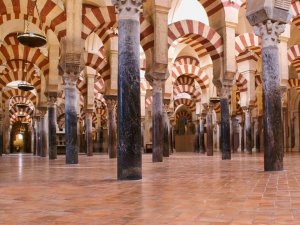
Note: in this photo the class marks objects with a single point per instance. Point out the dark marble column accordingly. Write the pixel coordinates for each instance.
(34, 128)
(235, 134)
(166, 150)
(88, 132)
(129, 103)
(273, 141)
(225, 125)
(81, 148)
(157, 121)
(111, 102)
(247, 112)
(43, 134)
(37, 137)
(71, 117)
(52, 98)
(1, 135)
(100, 138)
(201, 135)
(242, 124)
(210, 132)
(258, 134)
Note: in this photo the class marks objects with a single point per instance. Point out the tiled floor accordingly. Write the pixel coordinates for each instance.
(184, 189)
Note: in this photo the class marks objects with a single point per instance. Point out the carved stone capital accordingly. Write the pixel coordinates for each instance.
(111, 102)
(71, 63)
(269, 32)
(128, 9)
(70, 80)
(52, 98)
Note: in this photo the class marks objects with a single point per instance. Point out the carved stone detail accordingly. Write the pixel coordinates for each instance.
(70, 80)
(128, 9)
(269, 32)
(71, 63)
(111, 102)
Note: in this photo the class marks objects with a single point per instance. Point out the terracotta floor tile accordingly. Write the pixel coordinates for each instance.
(185, 189)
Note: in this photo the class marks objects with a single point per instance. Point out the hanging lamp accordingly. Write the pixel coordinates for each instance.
(22, 105)
(30, 39)
(24, 85)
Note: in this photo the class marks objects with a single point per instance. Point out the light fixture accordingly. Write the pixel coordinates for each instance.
(30, 39)
(24, 85)
(22, 105)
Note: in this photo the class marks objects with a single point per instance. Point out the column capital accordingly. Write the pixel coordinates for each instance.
(111, 102)
(269, 31)
(70, 80)
(71, 63)
(128, 9)
(51, 98)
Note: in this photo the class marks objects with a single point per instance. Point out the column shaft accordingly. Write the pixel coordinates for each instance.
(201, 136)
(157, 122)
(52, 131)
(248, 131)
(88, 133)
(210, 133)
(71, 123)
(129, 105)
(43, 137)
(273, 151)
(111, 126)
(225, 129)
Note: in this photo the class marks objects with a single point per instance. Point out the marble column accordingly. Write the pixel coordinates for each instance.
(129, 103)
(100, 138)
(1, 135)
(247, 112)
(242, 124)
(34, 128)
(258, 134)
(157, 121)
(166, 150)
(235, 134)
(201, 135)
(37, 137)
(88, 132)
(43, 133)
(111, 102)
(79, 134)
(196, 141)
(71, 117)
(225, 124)
(269, 30)
(52, 98)
(210, 132)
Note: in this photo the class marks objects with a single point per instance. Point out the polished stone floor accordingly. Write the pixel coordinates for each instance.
(184, 189)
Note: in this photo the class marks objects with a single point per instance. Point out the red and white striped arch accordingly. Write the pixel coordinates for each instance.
(20, 99)
(296, 13)
(184, 114)
(294, 57)
(51, 15)
(294, 83)
(148, 102)
(185, 80)
(187, 89)
(193, 71)
(17, 92)
(32, 55)
(185, 101)
(99, 64)
(216, 6)
(241, 82)
(186, 60)
(247, 41)
(16, 111)
(200, 37)
(100, 20)
(145, 85)
(258, 80)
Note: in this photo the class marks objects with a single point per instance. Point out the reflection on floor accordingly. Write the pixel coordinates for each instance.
(184, 189)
